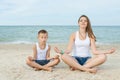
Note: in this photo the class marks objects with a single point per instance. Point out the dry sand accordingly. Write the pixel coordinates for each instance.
(13, 65)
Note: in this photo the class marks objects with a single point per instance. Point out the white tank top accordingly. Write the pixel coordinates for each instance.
(41, 54)
(81, 47)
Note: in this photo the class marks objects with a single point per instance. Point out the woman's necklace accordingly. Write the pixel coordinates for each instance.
(83, 37)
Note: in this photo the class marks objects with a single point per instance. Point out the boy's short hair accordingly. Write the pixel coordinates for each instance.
(42, 31)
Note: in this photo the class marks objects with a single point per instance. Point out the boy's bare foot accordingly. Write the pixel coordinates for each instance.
(36, 69)
(49, 69)
(44, 68)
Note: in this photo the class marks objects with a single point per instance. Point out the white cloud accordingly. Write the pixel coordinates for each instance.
(15, 6)
(57, 11)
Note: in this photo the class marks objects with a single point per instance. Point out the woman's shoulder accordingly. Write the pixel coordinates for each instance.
(74, 33)
(72, 36)
(92, 39)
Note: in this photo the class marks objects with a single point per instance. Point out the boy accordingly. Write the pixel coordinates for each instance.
(41, 54)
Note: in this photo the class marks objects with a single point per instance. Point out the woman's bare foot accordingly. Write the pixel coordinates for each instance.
(92, 70)
(71, 68)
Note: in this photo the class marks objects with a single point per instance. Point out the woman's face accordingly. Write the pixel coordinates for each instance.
(83, 22)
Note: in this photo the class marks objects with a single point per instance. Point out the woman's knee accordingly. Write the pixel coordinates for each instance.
(102, 57)
(64, 56)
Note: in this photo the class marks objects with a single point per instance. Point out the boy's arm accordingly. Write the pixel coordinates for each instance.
(48, 53)
(34, 52)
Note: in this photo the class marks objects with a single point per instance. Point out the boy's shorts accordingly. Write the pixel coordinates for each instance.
(81, 60)
(42, 62)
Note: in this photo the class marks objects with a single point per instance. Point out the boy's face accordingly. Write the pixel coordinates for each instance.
(42, 37)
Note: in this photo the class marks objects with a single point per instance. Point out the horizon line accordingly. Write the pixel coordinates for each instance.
(52, 25)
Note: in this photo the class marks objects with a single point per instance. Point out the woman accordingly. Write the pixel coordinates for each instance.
(80, 42)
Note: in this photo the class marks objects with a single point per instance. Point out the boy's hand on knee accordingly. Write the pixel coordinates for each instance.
(31, 58)
(56, 56)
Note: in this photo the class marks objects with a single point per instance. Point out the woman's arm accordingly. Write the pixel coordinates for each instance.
(96, 52)
(48, 55)
(70, 44)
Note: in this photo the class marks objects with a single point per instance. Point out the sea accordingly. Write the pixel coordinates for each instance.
(27, 34)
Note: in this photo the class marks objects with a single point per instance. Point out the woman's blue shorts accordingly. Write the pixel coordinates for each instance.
(81, 60)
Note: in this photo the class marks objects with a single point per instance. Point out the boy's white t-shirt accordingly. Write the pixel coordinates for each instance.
(41, 53)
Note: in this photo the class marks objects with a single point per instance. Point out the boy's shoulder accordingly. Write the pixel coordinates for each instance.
(35, 44)
(49, 46)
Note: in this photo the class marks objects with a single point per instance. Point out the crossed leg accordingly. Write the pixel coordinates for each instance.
(33, 64)
(73, 63)
(53, 62)
(95, 61)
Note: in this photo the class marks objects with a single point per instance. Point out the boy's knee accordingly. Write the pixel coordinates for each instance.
(57, 61)
(29, 57)
(28, 60)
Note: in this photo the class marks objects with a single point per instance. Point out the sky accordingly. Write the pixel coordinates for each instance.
(59, 12)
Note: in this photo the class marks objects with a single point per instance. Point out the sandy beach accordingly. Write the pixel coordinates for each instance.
(13, 65)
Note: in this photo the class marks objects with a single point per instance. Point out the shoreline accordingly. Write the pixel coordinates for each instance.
(97, 43)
